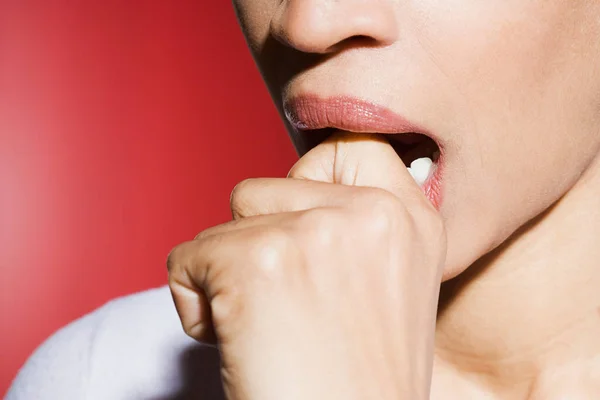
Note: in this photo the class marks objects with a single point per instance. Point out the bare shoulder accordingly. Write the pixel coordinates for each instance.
(131, 348)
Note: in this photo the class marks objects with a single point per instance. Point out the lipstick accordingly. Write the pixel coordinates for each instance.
(311, 115)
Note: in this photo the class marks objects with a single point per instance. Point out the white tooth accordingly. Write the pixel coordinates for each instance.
(420, 169)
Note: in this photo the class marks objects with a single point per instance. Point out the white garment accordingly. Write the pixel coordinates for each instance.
(132, 348)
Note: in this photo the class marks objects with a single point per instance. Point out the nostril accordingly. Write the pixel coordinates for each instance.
(318, 26)
(354, 41)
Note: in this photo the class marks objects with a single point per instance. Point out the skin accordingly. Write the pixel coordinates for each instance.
(512, 89)
(297, 294)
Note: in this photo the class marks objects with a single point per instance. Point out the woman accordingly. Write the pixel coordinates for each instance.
(438, 140)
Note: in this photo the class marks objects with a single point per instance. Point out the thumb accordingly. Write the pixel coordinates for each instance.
(357, 159)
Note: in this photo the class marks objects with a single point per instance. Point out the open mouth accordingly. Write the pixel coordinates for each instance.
(317, 118)
(419, 153)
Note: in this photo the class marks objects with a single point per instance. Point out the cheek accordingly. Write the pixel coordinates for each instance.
(254, 17)
(526, 76)
(490, 49)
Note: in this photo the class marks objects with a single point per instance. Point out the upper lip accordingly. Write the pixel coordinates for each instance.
(310, 112)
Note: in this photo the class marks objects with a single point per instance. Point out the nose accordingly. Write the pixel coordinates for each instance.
(320, 26)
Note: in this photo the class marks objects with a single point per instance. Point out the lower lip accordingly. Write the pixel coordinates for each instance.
(433, 185)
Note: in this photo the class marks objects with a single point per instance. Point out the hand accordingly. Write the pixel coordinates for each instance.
(325, 284)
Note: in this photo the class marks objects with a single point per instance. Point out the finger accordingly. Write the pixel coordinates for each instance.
(257, 214)
(263, 196)
(208, 277)
(191, 302)
(192, 307)
(187, 265)
(324, 177)
(358, 160)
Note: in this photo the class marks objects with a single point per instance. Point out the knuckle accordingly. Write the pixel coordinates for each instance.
(239, 198)
(228, 307)
(270, 249)
(174, 258)
(381, 212)
(207, 233)
(204, 234)
(191, 329)
(322, 226)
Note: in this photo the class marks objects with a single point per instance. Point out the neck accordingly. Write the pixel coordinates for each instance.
(531, 308)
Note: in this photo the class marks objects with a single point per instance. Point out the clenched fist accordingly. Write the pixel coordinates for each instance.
(324, 285)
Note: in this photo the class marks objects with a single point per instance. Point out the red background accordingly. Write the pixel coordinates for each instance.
(123, 128)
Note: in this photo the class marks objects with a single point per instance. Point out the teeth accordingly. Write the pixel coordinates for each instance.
(420, 169)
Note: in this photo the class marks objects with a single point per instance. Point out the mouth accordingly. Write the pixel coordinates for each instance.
(419, 153)
(316, 119)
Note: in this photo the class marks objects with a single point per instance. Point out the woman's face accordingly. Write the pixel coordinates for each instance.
(511, 89)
